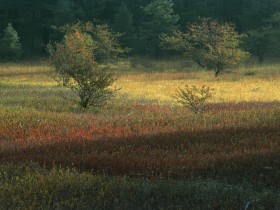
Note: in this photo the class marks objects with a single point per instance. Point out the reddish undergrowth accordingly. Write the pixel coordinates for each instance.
(153, 141)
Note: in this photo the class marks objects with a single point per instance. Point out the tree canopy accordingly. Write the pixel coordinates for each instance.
(140, 22)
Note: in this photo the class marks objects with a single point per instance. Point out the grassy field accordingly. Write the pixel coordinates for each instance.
(142, 150)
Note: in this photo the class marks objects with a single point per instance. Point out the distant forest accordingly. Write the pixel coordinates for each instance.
(141, 22)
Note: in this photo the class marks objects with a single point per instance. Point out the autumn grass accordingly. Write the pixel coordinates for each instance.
(254, 83)
(227, 157)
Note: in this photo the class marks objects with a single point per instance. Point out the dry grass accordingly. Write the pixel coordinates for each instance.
(262, 84)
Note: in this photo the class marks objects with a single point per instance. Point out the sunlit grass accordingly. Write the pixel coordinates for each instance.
(255, 83)
(26, 74)
(232, 87)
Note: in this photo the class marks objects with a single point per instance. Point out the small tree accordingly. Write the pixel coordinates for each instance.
(210, 44)
(73, 60)
(10, 47)
(193, 97)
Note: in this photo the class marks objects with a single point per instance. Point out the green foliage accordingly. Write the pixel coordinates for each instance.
(259, 42)
(94, 10)
(106, 43)
(74, 62)
(123, 23)
(194, 98)
(63, 13)
(161, 19)
(211, 45)
(108, 46)
(10, 47)
(33, 18)
(264, 41)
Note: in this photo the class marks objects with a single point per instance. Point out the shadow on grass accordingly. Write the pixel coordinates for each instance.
(235, 154)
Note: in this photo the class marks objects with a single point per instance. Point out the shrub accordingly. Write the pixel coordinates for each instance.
(75, 65)
(193, 97)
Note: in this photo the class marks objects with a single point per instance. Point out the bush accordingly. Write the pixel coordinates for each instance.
(194, 98)
(75, 65)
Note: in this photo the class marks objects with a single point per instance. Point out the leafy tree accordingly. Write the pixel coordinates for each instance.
(161, 19)
(106, 42)
(211, 45)
(74, 62)
(10, 45)
(123, 23)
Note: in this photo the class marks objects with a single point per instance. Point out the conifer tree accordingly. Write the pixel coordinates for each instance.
(264, 42)
(123, 23)
(10, 47)
(161, 20)
(63, 13)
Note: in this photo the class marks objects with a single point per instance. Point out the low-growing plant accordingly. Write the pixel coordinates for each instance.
(194, 98)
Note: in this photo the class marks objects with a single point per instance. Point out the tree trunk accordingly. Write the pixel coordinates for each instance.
(217, 72)
(260, 58)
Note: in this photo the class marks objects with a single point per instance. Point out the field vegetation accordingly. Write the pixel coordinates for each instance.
(152, 104)
(143, 150)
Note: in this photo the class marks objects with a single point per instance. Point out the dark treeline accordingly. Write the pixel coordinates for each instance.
(140, 23)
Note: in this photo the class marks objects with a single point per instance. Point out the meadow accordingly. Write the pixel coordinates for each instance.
(142, 150)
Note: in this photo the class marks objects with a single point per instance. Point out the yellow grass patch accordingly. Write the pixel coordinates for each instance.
(228, 88)
(26, 74)
(258, 83)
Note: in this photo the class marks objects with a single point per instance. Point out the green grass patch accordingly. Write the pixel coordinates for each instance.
(33, 187)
